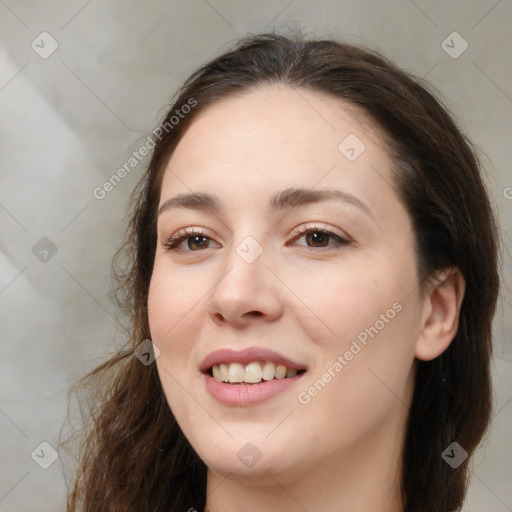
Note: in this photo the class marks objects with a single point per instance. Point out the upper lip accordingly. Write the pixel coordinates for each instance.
(246, 356)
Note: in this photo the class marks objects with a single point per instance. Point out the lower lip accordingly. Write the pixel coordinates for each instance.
(248, 394)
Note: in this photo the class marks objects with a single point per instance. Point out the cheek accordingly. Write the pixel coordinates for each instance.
(176, 314)
(365, 313)
(172, 297)
(173, 306)
(363, 374)
(342, 302)
(161, 306)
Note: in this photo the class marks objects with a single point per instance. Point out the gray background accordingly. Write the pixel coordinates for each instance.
(69, 121)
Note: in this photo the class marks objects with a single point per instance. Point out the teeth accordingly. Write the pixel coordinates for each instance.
(220, 372)
(251, 373)
(224, 372)
(269, 370)
(280, 371)
(236, 372)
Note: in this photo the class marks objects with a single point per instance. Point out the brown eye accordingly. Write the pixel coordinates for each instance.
(317, 239)
(187, 241)
(197, 242)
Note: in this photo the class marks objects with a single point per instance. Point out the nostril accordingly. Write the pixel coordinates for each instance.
(255, 313)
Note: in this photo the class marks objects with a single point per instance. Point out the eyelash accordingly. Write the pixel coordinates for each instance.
(301, 231)
(178, 237)
(181, 235)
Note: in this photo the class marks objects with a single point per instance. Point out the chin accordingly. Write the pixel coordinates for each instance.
(240, 457)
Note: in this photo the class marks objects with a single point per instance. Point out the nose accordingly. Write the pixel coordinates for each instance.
(248, 293)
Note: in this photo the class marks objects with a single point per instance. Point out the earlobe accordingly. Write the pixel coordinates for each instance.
(440, 319)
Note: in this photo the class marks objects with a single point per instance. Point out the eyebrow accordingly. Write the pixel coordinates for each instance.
(288, 198)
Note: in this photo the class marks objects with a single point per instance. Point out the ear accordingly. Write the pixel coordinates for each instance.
(441, 310)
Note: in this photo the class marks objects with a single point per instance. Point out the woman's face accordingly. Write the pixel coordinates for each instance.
(302, 248)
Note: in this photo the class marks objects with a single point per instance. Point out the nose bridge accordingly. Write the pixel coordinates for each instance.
(245, 264)
(246, 288)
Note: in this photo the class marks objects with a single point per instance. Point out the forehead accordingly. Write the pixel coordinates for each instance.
(276, 137)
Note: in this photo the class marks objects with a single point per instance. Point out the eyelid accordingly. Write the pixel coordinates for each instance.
(341, 240)
(314, 226)
(171, 243)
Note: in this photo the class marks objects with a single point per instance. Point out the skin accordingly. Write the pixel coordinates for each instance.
(341, 450)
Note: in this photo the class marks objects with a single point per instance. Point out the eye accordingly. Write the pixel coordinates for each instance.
(317, 238)
(313, 237)
(188, 240)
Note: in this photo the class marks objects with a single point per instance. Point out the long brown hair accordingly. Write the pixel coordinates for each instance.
(135, 456)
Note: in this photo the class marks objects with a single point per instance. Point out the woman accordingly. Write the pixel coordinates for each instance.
(313, 255)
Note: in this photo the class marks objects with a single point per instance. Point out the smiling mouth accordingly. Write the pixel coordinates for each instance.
(251, 373)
